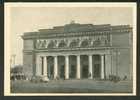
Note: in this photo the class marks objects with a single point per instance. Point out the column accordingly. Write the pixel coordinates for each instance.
(90, 66)
(42, 65)
(45, 66)
(102, 66)
(66, 67)
(38, 65)
(55, 67)
(78, 67)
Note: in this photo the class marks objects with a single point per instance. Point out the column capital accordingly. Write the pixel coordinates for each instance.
(89, 54)
(66, 55)
(44, 56)
(102, 54)
(41, 56)
(77, 55)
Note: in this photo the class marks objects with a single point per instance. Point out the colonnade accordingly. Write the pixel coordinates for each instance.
(44, 65)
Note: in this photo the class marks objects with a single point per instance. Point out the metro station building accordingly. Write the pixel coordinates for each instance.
(79, 51)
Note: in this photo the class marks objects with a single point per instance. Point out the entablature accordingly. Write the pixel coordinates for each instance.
(74, 34)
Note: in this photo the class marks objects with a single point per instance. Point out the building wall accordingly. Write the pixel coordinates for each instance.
(124, 66)
(28, 45)
(120, 39)
(28, 57)
(28, 64)
(107, 66)
(124, 61)
(39, 62)
(121, 63)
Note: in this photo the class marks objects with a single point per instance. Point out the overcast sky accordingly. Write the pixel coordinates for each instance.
(34, 18)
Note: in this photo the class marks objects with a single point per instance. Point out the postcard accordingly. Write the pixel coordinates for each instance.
(70, 49)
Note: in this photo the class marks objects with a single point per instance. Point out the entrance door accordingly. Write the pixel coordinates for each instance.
(50, 67)
(72, 66)
(97, 70)
(85, 71)
(84, 66)
(51, 74)
(61, 67)
(96, 66)
(62, 72)
(73, 71)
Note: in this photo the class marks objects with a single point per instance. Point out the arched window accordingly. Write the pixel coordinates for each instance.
(38, 44)
(51, 44)
(85, 43)
(74, 43)
(43, 44)
(62, 44)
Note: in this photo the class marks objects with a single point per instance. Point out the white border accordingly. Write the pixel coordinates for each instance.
(61, 4)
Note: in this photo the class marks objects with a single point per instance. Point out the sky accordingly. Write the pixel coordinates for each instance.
(28, 19)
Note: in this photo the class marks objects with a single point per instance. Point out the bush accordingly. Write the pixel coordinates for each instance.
(37, 79)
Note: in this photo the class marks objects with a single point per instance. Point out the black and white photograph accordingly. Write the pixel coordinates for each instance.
(72, 49)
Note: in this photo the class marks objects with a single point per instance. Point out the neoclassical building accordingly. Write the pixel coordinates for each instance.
(79, 51)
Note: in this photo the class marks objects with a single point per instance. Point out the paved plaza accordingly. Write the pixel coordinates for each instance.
(72, 86)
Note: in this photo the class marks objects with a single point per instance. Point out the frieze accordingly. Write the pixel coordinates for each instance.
(99, 40)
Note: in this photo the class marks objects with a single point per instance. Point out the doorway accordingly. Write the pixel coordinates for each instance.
(85, 71)
(72, 65)
(97, 71)
(84, 66)
(97, 66)
(50, 68)
(61, 67)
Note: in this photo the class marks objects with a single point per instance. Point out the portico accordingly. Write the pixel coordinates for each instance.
(62, 68)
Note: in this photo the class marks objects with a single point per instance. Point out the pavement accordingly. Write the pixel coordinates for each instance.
(72, 86)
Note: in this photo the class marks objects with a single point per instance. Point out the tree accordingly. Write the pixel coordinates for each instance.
(17, 69)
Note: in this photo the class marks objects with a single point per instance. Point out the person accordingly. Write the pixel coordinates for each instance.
(89, 75)
(125, 77)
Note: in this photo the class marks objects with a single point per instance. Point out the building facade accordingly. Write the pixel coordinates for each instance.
(79, 51)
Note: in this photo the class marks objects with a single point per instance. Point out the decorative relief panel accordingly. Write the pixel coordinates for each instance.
(28, 45)
(74, 43)
(83, 42)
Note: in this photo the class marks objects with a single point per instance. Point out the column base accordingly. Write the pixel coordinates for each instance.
(56, 77)
(67, 78)
(78, 78)
(45, 78)
(90, 78)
